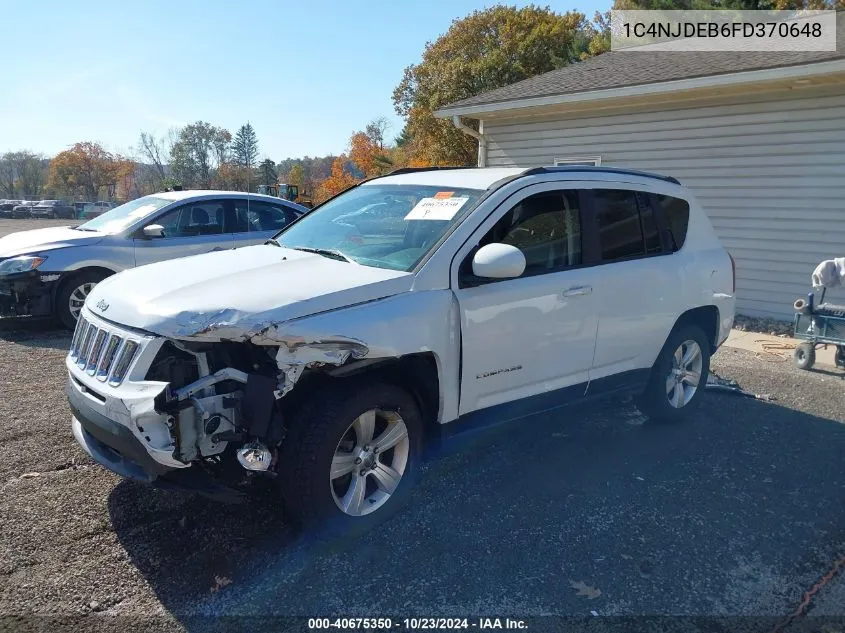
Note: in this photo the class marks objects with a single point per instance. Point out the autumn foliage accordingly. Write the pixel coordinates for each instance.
(87, 170)
(339, 180)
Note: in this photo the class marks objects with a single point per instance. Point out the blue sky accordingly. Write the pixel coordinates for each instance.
(306, 74)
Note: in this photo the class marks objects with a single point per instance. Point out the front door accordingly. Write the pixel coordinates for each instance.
(191, 229)
(528, 341)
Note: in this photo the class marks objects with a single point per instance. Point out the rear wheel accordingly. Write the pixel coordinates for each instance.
(678, 377)
(72, 294)
(351, 456)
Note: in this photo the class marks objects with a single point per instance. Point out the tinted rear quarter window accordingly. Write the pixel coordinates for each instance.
(676, 217)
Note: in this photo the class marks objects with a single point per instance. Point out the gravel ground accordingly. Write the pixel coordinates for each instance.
(736, 512)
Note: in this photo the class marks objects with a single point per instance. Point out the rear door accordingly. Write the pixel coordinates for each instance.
(638, 298)
(191, 229)
(258, 221)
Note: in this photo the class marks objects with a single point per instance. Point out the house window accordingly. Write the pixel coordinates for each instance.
(594, 161)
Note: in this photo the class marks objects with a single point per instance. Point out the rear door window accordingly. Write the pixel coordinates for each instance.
(626, 223)
(618, 222)
(257, 217)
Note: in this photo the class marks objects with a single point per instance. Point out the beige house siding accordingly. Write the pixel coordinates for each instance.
(769, 173)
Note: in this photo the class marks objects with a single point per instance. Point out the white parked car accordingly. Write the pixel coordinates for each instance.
(328, 357)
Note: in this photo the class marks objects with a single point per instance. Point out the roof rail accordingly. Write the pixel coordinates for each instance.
(605, 170)
(413, 170)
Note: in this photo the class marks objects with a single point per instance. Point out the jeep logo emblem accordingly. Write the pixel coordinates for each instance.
(102, 305)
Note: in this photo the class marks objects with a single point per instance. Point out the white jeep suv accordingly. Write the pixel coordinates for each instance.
(326, 358)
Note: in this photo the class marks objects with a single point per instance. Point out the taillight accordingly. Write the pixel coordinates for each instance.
(733, 274)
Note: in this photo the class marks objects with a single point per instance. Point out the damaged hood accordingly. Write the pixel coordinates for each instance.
(236, 294)
(40, 240)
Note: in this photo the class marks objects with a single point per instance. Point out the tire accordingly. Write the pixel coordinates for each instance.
(804, 356)
(323, 433)
(77, 286)
(672, 391)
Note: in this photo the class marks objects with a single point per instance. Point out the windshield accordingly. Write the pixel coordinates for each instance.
(117, 219)
(386, 226)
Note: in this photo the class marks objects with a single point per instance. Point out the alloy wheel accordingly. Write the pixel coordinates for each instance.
(685, 375)
(369, 462)
(77, 298)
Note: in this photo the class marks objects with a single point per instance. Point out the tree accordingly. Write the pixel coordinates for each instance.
(245, 146)
(231, 176)
(197, 153)
(369, 154)
(125, 186)
(404, 137)
(375, 131)
(339, 180)
(8, 176)
(155, 152)
(85, 169)
(267, 170)
(486, 50)
(596, 36)
(23, 172)
(221, 141)
(296, 176)
(31, 173)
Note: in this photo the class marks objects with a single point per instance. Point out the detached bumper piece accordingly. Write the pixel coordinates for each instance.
(27, 294)
(115, 447)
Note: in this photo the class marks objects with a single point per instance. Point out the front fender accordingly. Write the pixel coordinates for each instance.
(410, 323)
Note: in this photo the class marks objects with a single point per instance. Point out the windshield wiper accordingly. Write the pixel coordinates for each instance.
(325, 252)
(274, 242)
(79, 228)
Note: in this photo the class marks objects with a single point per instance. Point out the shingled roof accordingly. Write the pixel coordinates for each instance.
(618, 69)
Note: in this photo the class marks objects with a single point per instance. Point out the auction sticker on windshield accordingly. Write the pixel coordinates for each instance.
(436, 209)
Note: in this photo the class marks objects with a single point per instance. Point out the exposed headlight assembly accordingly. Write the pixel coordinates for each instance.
(20, 264)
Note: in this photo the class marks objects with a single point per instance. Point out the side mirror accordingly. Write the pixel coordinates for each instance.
(153, 230)
(498, 261)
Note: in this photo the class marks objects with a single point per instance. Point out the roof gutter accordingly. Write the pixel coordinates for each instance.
(479, 136)
(710, 81)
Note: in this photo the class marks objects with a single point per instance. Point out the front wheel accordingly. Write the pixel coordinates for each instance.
(72, 294)
(351, 456)
(678, 377)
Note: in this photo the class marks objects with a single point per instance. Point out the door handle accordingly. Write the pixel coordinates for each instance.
(577, 291)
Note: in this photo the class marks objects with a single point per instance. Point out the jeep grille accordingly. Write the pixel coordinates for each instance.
(102, 353)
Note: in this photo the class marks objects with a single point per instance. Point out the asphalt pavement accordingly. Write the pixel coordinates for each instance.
(736, 512)
(584, 513)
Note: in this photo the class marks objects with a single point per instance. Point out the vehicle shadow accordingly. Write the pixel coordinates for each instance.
(33, 332)
(827, 371)
(41, 333)
(743, 490)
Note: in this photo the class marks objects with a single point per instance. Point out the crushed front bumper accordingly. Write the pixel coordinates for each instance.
(28, 294)
(111, 444)
(115, 447)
